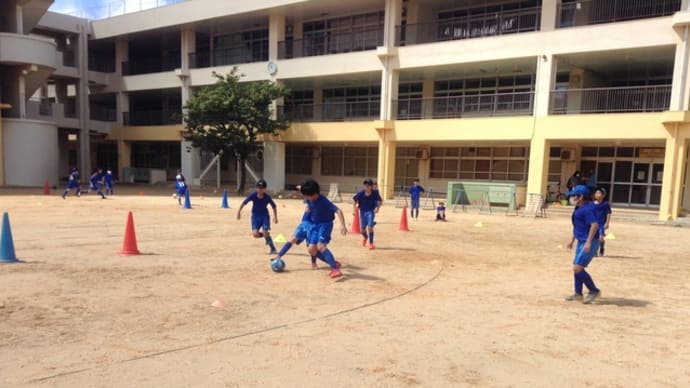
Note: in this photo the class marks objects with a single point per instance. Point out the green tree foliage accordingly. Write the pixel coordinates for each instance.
(229, 116)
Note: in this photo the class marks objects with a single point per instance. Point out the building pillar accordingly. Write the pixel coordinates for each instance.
(680, 88)
(82, 98)
(274, 165)
(672, 189)
(549, 15)
(318, 104)
(544, 84)
(22, 95)
(124, 157)
(121, 54)
(187, 46)
(385, 176)
(191, 161)
(20, 20)
(685, 5)
(537, 179)
(428, 91)
(389, 90)
(276, 33)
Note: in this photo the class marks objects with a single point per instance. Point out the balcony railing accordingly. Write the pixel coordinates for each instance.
(228, 56)
(102, 113)
(502, 23)
(497, 104)
(333, 111)
(102, 64)
(153, 117)
(150, 65)
(611, 100)
(332, 43)
(586, 12)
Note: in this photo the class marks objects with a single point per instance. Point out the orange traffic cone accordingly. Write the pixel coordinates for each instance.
(403, 220)
(355, 224)
(129, 247)
(46, 188)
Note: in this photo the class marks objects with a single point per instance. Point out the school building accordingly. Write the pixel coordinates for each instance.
(505, 91)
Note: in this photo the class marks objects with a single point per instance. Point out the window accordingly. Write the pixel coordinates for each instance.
(298, 159)
(479, 163)
(349, 161)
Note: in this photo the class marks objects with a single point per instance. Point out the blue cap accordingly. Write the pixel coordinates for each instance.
(578, 190)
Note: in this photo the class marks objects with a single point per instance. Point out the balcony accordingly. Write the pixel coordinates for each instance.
(497, 104)
(586, 12)
(332, 43)
(102, 113)
(150, 65)
(101, 64)
(500, 23)
(611, 100)
(229, 56)
(153, 117)
(333, 112)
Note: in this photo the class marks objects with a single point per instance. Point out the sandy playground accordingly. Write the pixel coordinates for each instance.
(443, 305)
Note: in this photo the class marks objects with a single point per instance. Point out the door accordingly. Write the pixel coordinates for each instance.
(637, 183)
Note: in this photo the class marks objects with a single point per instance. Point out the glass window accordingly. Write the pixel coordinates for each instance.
(589, 151)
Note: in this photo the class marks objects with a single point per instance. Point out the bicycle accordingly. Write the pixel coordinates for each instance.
(554, 193)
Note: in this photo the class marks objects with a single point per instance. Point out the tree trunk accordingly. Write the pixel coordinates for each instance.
(243, 177)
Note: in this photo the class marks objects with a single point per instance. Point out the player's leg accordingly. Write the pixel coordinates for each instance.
(582, 259)
(362, 227)
(267, 234)
(323, 233)
(256, 222)
(370, 228)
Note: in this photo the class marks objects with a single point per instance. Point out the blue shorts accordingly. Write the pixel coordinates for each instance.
(261, 221)
(95, 186)
(181, 191)
(584, 258)
(320, 233)
(366, 219)
(302, 232)
(72, 185)
(414, 203)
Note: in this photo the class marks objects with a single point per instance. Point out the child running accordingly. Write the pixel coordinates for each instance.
(73, 183)
(301, 233)
(415, 193)
(368, 201)
(180, 188)
(109, 180)
(603, 210)
(586, 233)
(96, 179)
(322, 213)
(260, 217)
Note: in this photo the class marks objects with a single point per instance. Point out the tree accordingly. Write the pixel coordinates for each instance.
(229, 116)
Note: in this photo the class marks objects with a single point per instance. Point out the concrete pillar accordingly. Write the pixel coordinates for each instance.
(538, 165)
(672, 189)
(318, 103)
(20, 20)
(124, 157)
(122, 102)
(121, 54)
(82, 98)
(187, 46)
(685, 204)
(544, 83)
(385, 176)
(389, 90)
(427, 98)
(680, 89)
(549, 15)
(685, 5)
(191, 161)
(22, 96)
(276, 33)
(393, 15)
(274, 165)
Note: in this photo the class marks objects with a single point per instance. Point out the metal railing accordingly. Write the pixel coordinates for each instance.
(335, 111)
(335, 42)
(151, 65)
(611, 100)
(152, 117)
(102, 64)
(228, 56)
(500, 23)
(102, 113)
(586, 12)
(496, 104)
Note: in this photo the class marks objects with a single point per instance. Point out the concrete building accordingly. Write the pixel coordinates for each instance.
(522, 92)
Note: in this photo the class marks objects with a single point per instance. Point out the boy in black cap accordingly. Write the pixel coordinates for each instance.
(260, 218)
(368, 201)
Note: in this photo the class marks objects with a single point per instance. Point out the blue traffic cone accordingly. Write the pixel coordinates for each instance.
(224, 204)
(187, 202)
(6, 245)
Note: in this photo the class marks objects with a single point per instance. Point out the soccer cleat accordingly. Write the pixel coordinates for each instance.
(371, 247)
(574, 297)
(591, 296)
(338, 265)
(364, 241)
(335, 273)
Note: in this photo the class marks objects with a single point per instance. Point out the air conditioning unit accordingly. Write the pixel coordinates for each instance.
(422, 153)
(567, 154)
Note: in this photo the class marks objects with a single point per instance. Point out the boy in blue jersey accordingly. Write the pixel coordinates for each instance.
(109, 181)
(441, 212)
(368, 201)
(603, 216)
(322, 213)
(586, 233)
(73, 183)
(415, 193)
(301, 233)
(180, 188)
(260, 218)
(95, 182)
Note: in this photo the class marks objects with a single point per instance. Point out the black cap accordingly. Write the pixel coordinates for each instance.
(261, 183)
(368, 181)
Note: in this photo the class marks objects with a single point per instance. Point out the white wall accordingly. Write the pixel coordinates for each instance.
(24, 138)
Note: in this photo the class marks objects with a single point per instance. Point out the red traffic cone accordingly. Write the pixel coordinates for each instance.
(46, 188)
(355, 224)
(129, 247)
(403, 220)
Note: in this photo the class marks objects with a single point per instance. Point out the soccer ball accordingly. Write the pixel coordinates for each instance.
(278, 265)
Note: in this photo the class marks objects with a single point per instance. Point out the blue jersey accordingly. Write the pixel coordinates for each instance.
(440, 209)
(109, 178)
(416, 191)
(73, 180)
(96, 177)
(259, 205)
(367, 203)
(583, 217)
(321, 210)
(306, 217)
(603, 210)
(180, 186)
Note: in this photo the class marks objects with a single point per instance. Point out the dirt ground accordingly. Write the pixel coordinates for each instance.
(445, 304)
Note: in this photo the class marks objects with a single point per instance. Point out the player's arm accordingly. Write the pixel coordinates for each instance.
(593, 228)
(341, 219)
(608, 220)
(239, 211)
(275, 212)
